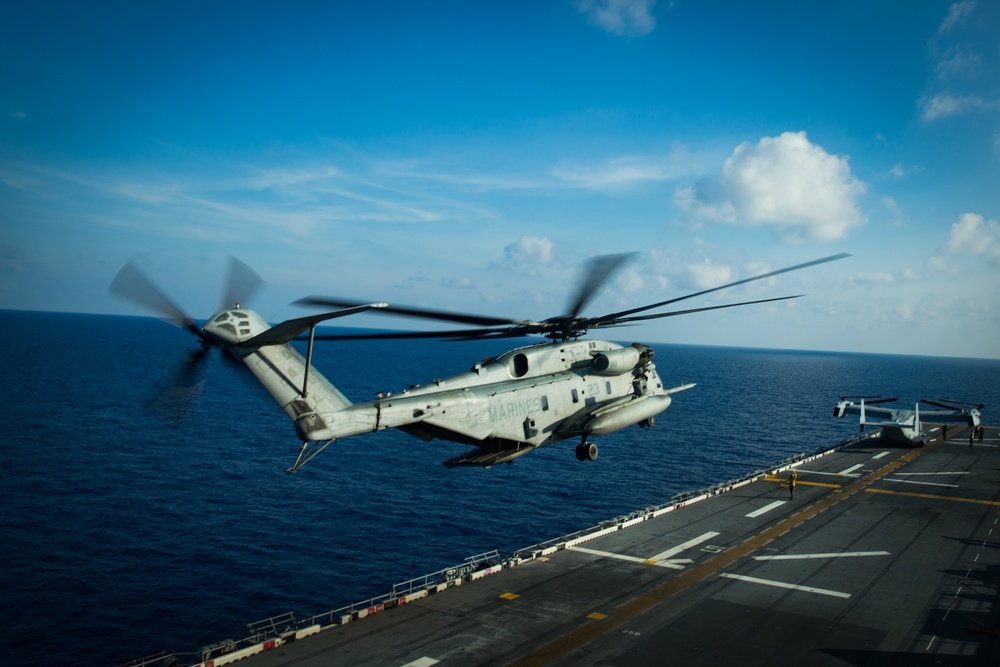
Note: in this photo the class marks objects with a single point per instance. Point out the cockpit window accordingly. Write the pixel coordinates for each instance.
(221, 317)
(242, 316)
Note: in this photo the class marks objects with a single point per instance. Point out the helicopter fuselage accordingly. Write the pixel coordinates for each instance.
(504, 406)
(527, 398)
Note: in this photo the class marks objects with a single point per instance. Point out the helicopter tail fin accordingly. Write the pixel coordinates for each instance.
(301, 391)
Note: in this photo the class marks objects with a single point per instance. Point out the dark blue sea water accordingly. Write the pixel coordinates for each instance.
(122, 536)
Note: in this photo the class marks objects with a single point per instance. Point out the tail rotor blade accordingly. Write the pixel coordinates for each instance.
(242, 283)
(175, 402)
(133, 285)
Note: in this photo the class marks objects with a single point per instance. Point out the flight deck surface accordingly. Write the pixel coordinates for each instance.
(885, 555)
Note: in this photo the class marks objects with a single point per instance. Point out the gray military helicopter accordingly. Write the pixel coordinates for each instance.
(504, 407)
(901, 426)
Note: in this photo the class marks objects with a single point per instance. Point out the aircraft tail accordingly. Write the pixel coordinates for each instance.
(301, 391)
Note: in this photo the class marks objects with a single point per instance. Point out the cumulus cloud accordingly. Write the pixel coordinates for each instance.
(976, 236)
(620, 17)
(631, 280)
(786, 183)
(708, 274)
(529, 250)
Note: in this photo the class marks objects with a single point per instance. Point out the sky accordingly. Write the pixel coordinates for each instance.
(471, 156)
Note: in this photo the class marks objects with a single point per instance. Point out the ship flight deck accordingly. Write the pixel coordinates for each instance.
(879, 555)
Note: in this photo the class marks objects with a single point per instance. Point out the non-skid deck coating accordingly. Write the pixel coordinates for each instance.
(885, 556)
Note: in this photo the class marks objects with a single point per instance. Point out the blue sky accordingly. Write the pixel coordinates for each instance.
(471, 156)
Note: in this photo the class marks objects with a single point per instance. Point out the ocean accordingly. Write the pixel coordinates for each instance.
(122, 536)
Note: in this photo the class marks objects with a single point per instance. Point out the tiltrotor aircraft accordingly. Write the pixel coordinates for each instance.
(906, 426)
(504, 407)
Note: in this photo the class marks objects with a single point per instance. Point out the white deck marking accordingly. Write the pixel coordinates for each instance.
(831, 474)
(766, 508)
(913, 481)
(781, 584)
(608, 554)
(932, 473)
(422, 662)
(663, 559)
(880, 455)
(684, 547)
(847, 554)
(848, 471)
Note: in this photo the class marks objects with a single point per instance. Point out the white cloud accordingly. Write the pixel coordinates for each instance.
(630, 281)
(898, 219)
(957, 13)
(458, 282)
(709, 274)
(786, 183)
(869, 278)
(623, 171)
(898, 171)
(974, 235)
(704, 202)
(944, 104)
(873, 278)
(530, 250)
(620, 17)
(957, 62)
(964, 60)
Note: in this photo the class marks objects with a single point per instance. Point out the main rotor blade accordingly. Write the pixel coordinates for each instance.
(603, 322)
(132, 284)
(599, 269)
(242, 283)
(408, 311)
(882, 400)
(979, 406)
(939, 405)
(616, 316)
(460, 334)
(290, 329)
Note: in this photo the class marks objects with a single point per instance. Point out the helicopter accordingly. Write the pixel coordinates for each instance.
(503, 407)
(906, 426)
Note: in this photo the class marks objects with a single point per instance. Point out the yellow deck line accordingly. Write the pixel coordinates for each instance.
(930, 496)
(769, 478)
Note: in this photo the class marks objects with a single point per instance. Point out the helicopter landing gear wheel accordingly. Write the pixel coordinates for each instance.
(586, 451)
(647, 423)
